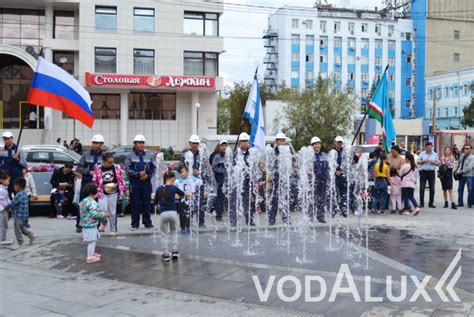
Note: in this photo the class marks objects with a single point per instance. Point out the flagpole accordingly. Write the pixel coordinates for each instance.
(365, 116)
(22, 124)
(238, 135)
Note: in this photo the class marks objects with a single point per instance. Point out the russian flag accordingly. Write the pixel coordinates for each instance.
(53, 87)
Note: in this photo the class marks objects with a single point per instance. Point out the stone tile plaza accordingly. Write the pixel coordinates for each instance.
(237, 158)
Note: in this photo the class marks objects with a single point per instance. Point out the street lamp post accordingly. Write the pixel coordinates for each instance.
(197, 105)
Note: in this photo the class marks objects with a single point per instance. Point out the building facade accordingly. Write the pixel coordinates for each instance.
(453, 92)
(351, 46)
(151, 67)
(443, 32)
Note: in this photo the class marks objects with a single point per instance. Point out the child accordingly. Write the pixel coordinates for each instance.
(395, 191)
(381, 185)
(19, 208)
(408, 176)
(187, 184)
(30, 188)
(59, 198)
(90, 217)
(165, 201)
(4, 201)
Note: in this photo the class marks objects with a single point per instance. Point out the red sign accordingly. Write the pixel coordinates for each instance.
(114, 80)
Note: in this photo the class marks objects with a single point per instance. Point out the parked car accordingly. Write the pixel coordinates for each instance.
(120, 153)
(44, 159)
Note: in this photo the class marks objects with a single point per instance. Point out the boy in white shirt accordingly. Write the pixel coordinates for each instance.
(188, 184)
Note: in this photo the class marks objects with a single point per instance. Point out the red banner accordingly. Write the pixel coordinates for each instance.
(115, 80)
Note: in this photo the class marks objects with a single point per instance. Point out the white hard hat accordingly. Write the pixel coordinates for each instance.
(315, 140)
(223, 142)
(244, 137)
(281, 136)
(194, 139)
(98, 138)
(7, 134)
(139, 138)
(339, 139)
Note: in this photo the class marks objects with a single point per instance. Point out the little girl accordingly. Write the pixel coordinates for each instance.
(408, 175)
(90, 217)
(165, 201)
(395, 191)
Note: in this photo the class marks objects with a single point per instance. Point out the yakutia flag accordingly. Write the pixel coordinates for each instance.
(254, 114)
(54, 88)
(379, 109)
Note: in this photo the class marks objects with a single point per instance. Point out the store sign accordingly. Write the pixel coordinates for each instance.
(114, 80)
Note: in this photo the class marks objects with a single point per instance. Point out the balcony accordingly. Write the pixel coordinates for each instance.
(269, 33)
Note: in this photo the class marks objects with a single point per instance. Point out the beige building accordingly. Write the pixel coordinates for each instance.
(151, 66)
(449, 35)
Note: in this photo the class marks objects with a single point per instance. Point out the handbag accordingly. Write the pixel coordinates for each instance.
(443, 169)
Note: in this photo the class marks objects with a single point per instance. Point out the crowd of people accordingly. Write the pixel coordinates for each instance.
(233, 183)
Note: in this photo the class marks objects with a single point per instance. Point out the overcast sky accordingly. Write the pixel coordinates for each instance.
(242, 28)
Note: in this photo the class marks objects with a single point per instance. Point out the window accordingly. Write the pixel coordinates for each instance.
(364, 27)
(295, 57)
(456, 57)
(456, 91)
(377, 77)
(456, 35)
(464, 89)
(323, 58)
(105, 60)
(378, 61)
(378, 44)
(408, 36)
(446, 112)
(364, 60)
(365, 43)
(408, 103)
(309, 75)
(143, 20)
(351, 43)
(143, 61)
(446, 92)
(309, 40)
(337, 59)
(438, 113)
(65, 60)
(391, 93)
(106, 19)
(295, 73)
(363, 93)
(323, 42)
(337, 76)
(61, 158)
(391, 61)
(455, 111)
(351, 27)
(390, 76)
(201, 23)
(309, 24)
(337, 42)
(38, 157)
(350, 76)
(408, 59)
(106, 106)
(322, 26)
(378, 28)
(294, 23)
(390, 30)
(63, 25)
(152, 106)
(391, 45)
(309, 57)
(408, 81)
(350, 60)
(431, 94)
(337, 27)
(438, 93)
(364, 77)
(200, 63)
(295, 39)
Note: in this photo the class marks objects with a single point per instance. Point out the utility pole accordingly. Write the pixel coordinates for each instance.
(433, 118)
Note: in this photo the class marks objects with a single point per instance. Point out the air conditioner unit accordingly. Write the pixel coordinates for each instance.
(352, 32)
(389, 34)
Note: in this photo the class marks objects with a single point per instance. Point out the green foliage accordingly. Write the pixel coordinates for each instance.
(468, 120)
(320, 111)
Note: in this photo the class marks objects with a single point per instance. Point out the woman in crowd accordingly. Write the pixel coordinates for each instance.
(445, 173)
(408, 174)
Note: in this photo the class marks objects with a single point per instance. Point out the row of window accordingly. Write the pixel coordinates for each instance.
(351, 42)
(336, 26)
(195, 63)
(364, 77)
(446, 112)
(195, 23)
(351, 60)
(449, 92)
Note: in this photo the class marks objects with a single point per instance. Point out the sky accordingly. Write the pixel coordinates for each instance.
(242, 26)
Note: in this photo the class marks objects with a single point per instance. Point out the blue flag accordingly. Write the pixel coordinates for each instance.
(254, 114)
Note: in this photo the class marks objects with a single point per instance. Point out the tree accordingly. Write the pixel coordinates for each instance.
(230, 110)
(468, 120)
(320, 111)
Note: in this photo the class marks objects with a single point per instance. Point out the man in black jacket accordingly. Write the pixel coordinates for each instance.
(64, 176)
